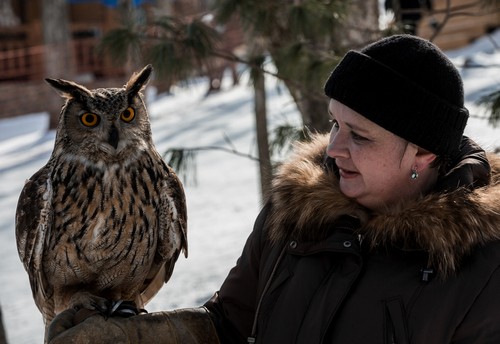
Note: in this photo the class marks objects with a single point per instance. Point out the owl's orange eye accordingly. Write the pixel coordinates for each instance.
(90, 119)
(128, 115)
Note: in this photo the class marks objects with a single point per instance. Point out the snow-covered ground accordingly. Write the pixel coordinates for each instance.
(224, 202)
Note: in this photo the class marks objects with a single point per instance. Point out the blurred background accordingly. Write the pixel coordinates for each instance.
(100, 41)
(242, 77)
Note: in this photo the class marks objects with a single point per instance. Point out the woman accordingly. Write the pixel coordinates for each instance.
(385, 231)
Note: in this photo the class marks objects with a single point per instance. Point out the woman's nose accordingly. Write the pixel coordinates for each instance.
(337, 147)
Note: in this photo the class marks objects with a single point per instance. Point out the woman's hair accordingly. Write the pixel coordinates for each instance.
(441, 163)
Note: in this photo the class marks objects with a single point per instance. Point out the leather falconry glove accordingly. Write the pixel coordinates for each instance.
(183, 326)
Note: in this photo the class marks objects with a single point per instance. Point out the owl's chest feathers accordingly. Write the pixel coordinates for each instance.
(107, 214)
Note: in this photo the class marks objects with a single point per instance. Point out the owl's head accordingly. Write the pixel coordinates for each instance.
(105, 123)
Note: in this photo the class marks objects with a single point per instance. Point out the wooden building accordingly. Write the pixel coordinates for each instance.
(464, 21)
(22, 47)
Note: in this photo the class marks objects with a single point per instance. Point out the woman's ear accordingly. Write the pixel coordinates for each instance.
(424, 158)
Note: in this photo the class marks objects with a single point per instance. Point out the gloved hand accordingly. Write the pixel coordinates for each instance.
(469, 168)
(183, 326)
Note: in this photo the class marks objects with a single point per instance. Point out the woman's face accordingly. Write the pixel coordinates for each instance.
(374, 164)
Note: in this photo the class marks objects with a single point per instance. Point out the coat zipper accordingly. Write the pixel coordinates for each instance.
(253, 336)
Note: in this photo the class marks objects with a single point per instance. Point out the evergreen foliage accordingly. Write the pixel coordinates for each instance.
(176, 47)
(492, 103)
(299, 37)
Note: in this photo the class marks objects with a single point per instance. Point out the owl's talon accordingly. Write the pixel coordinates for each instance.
(101, 308)
(114, 306)
(89, 301)
(124, 309)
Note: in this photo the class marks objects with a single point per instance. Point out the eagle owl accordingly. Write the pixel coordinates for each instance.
(105, 218)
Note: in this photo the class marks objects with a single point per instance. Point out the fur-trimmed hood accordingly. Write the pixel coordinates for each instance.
(448, 225)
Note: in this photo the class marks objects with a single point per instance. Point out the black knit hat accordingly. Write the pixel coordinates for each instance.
(406, 85)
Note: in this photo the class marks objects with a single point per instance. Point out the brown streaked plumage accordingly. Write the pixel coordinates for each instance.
(105, 218)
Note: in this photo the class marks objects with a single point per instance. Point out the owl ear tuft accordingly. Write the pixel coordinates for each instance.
(69, 89)
(138, 80)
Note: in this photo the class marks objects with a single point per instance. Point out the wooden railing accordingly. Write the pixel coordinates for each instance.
(20, 59)
(22, 63)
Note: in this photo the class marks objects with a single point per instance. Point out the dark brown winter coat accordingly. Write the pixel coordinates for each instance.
(319, 268)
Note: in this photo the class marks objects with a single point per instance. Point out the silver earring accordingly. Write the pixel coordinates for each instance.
(414, 173)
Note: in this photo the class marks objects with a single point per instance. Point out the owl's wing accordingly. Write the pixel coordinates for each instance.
(172, 236)
(34, 219)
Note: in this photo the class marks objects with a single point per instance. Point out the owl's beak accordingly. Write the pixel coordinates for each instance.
(113, 137)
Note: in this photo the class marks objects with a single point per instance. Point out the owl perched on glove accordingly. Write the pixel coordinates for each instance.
(104, 221)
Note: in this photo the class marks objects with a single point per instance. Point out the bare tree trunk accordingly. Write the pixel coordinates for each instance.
(262, 136)
(359, 28)
(313, 110)
(58, 50)
(256, 51)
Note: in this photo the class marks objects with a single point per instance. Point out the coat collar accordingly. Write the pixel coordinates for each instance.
(448, 225)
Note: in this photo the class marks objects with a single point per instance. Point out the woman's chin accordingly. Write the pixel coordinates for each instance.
(348, 189)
